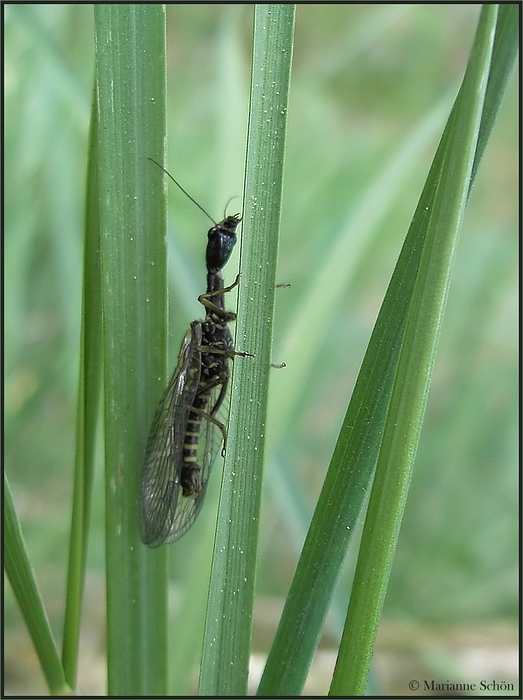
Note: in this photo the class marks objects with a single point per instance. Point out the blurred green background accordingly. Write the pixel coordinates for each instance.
(367, 80)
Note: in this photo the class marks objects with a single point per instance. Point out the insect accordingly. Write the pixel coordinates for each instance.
(187, 432)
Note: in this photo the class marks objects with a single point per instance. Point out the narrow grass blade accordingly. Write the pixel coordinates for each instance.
(227, 635)
(88, 404)
(414, 369)
(22, 580)
(130, 80)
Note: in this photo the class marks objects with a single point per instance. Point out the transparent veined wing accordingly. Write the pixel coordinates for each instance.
(208, 434)
(164, 514)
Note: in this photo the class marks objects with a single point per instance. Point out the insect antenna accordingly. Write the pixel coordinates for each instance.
(225, 210)
(184, 191)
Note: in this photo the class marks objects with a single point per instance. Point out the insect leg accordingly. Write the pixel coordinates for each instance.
(204, 299)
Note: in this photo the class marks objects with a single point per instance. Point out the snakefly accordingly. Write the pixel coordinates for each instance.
(187, 432)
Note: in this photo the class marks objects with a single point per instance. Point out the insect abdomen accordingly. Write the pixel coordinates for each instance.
(190, 476)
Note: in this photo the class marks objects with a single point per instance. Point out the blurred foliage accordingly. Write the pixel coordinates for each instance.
(364, 77)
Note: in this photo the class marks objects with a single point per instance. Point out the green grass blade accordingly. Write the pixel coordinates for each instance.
(22, 580)
(414, 370)
(345, 487)
(88, 404)
(130, 78)
(227, 635)
(504, 57)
